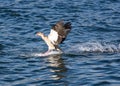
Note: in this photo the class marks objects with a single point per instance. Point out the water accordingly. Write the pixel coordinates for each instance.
(92, 49)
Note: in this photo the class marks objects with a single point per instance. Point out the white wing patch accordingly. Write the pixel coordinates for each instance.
(53, 36)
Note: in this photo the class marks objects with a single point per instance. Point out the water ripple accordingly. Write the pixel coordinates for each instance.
(91, 49)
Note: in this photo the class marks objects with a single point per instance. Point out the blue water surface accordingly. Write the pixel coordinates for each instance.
(91, 51)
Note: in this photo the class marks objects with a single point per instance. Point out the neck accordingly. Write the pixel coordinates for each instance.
(50, 45)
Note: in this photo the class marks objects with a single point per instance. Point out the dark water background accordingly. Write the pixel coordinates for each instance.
(92, 49)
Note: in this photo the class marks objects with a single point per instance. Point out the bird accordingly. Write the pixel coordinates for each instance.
(57, 35)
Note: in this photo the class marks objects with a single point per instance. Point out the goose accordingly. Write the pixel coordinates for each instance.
(58, 34)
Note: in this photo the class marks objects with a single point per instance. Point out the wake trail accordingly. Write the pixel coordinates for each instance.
(95, 47)
(78, 49)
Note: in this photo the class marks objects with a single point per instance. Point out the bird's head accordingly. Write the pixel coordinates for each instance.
(39, 34)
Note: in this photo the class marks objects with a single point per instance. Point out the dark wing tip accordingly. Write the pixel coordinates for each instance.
(58, 25)
(62, 29)
(61, 24)
(67, 25)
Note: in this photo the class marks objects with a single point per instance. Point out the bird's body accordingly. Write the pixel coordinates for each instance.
(57, 35)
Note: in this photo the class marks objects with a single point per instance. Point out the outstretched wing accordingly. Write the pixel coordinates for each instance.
(59, 32)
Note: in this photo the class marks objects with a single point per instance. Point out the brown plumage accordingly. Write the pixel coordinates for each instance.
(62, 31)
(57, 35)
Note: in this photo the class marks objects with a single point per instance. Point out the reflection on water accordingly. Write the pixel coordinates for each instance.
(92, 49)
(57, 66)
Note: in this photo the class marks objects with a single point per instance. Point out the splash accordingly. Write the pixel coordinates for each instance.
(95, 47)
(88, 47)
(48, 53)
